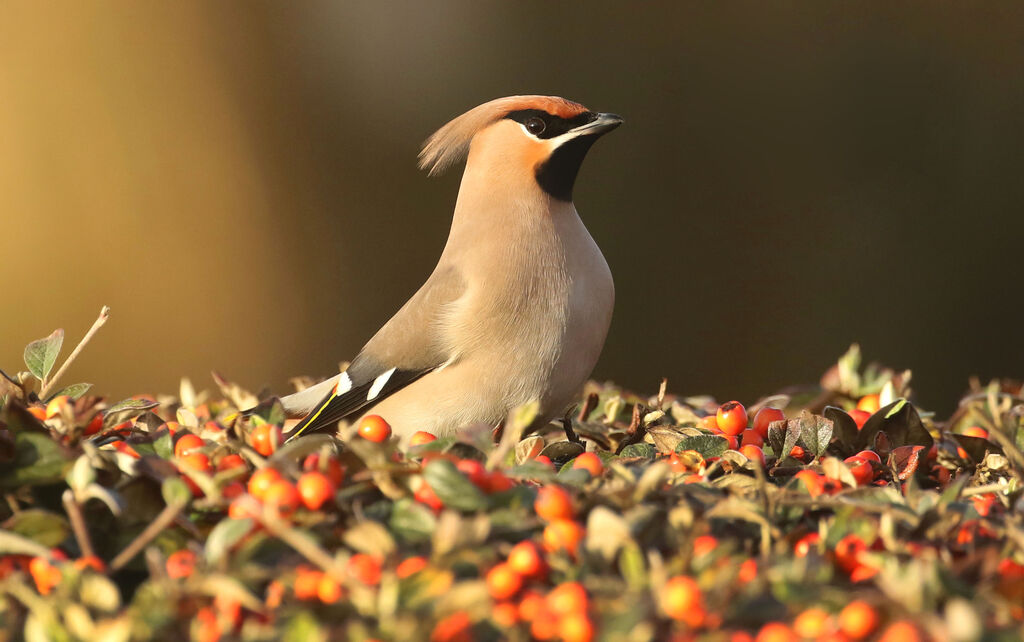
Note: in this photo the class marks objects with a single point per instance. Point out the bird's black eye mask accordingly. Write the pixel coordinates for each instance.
(544, 125)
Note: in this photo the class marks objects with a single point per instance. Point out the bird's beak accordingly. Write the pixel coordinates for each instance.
(602, 124)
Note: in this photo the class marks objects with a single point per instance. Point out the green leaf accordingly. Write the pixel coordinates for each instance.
(74, 391)
(900, 423)
(37, 460)
(844, 428)
(163, 445)
(175, 492)
(815, 433)
(645, 450)
(40, 526)
(41, 355)
(303, 627)
(707, 445)
(452, 487)
(14, 544)
(412, 521)
(224, 535)
(122, 411)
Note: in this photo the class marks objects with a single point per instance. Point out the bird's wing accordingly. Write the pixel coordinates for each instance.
(407, 347)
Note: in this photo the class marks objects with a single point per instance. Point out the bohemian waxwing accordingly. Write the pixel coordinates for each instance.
(520, 302)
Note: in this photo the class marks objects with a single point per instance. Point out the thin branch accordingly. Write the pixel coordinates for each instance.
(97, 324)
(78, 523)
(162, 521)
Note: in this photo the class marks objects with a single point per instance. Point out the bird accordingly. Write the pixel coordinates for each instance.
(520, 303)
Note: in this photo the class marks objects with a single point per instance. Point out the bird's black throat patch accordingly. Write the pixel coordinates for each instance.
(557, 175)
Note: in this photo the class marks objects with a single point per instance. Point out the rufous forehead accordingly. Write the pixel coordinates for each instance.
(551, 104)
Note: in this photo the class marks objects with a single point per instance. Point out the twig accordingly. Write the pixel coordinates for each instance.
(588, 406)
(636, 431)
(78, 523)
(162, 521)
(12, 503)
(305, 547)
(97, 324)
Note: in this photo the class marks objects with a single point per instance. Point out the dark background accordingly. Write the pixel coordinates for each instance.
(238, 182)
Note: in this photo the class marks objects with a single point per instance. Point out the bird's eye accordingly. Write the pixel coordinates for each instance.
(535, 126)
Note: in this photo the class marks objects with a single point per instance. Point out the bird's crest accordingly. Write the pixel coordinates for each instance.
(450, 144)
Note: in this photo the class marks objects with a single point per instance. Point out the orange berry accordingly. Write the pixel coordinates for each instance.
(576, 627)
(503, 582)
(410, 566)
(562, 535)
(206, 627)
(364, 568)
(589, 462)
(812, 481)
(330, 467)
(426, 495)
(505, 614)
(748, 571)
(901, 631)
(544, 625)
(804, 545)
(229, 462)
(732, 418)
(457, 627)
(553, 502)
(474, 471)
(307, 583)
(680, 597)
(261, 481)
(869, 454)
(180, 564)
(861, 469)
(244, 507)
(812, 623)
(329, 590)
(868, 403)
(710, 422)
(314, 488)
(525, 559)
(283, 496)
(859, 417)
(567, 598)
(187, 443)
(196, 461)
(374, 428)
(976, 431)
(704, 545)
(39, 412)
(91, 561)
(858, 619)
(754, 454)
(776, 632)
(530, 605)
(764, 418)
(751, 438)
(421, 437)
(45, 575)
(265, 439)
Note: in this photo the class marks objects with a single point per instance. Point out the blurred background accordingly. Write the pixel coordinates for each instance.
(238, 181)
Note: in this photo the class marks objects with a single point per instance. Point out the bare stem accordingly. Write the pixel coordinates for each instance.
(305, 547)
(78, 523)
(162, 521)
(97, 324)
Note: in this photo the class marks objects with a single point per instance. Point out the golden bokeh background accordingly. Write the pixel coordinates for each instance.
(237, 181)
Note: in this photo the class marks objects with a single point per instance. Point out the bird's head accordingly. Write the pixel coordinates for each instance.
(538, 138)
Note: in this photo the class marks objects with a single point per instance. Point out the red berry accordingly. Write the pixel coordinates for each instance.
(754, 454)
(764, 417)
(261, 480)
(589, 462)
(552, 503)
(265, 439)
(861, 469)
(732, 418)
(283, 496)
(859, 417)
(421, 437)
(503, 582)
(374, 428)
(315, 488)
(187, 443)
(752, 438)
